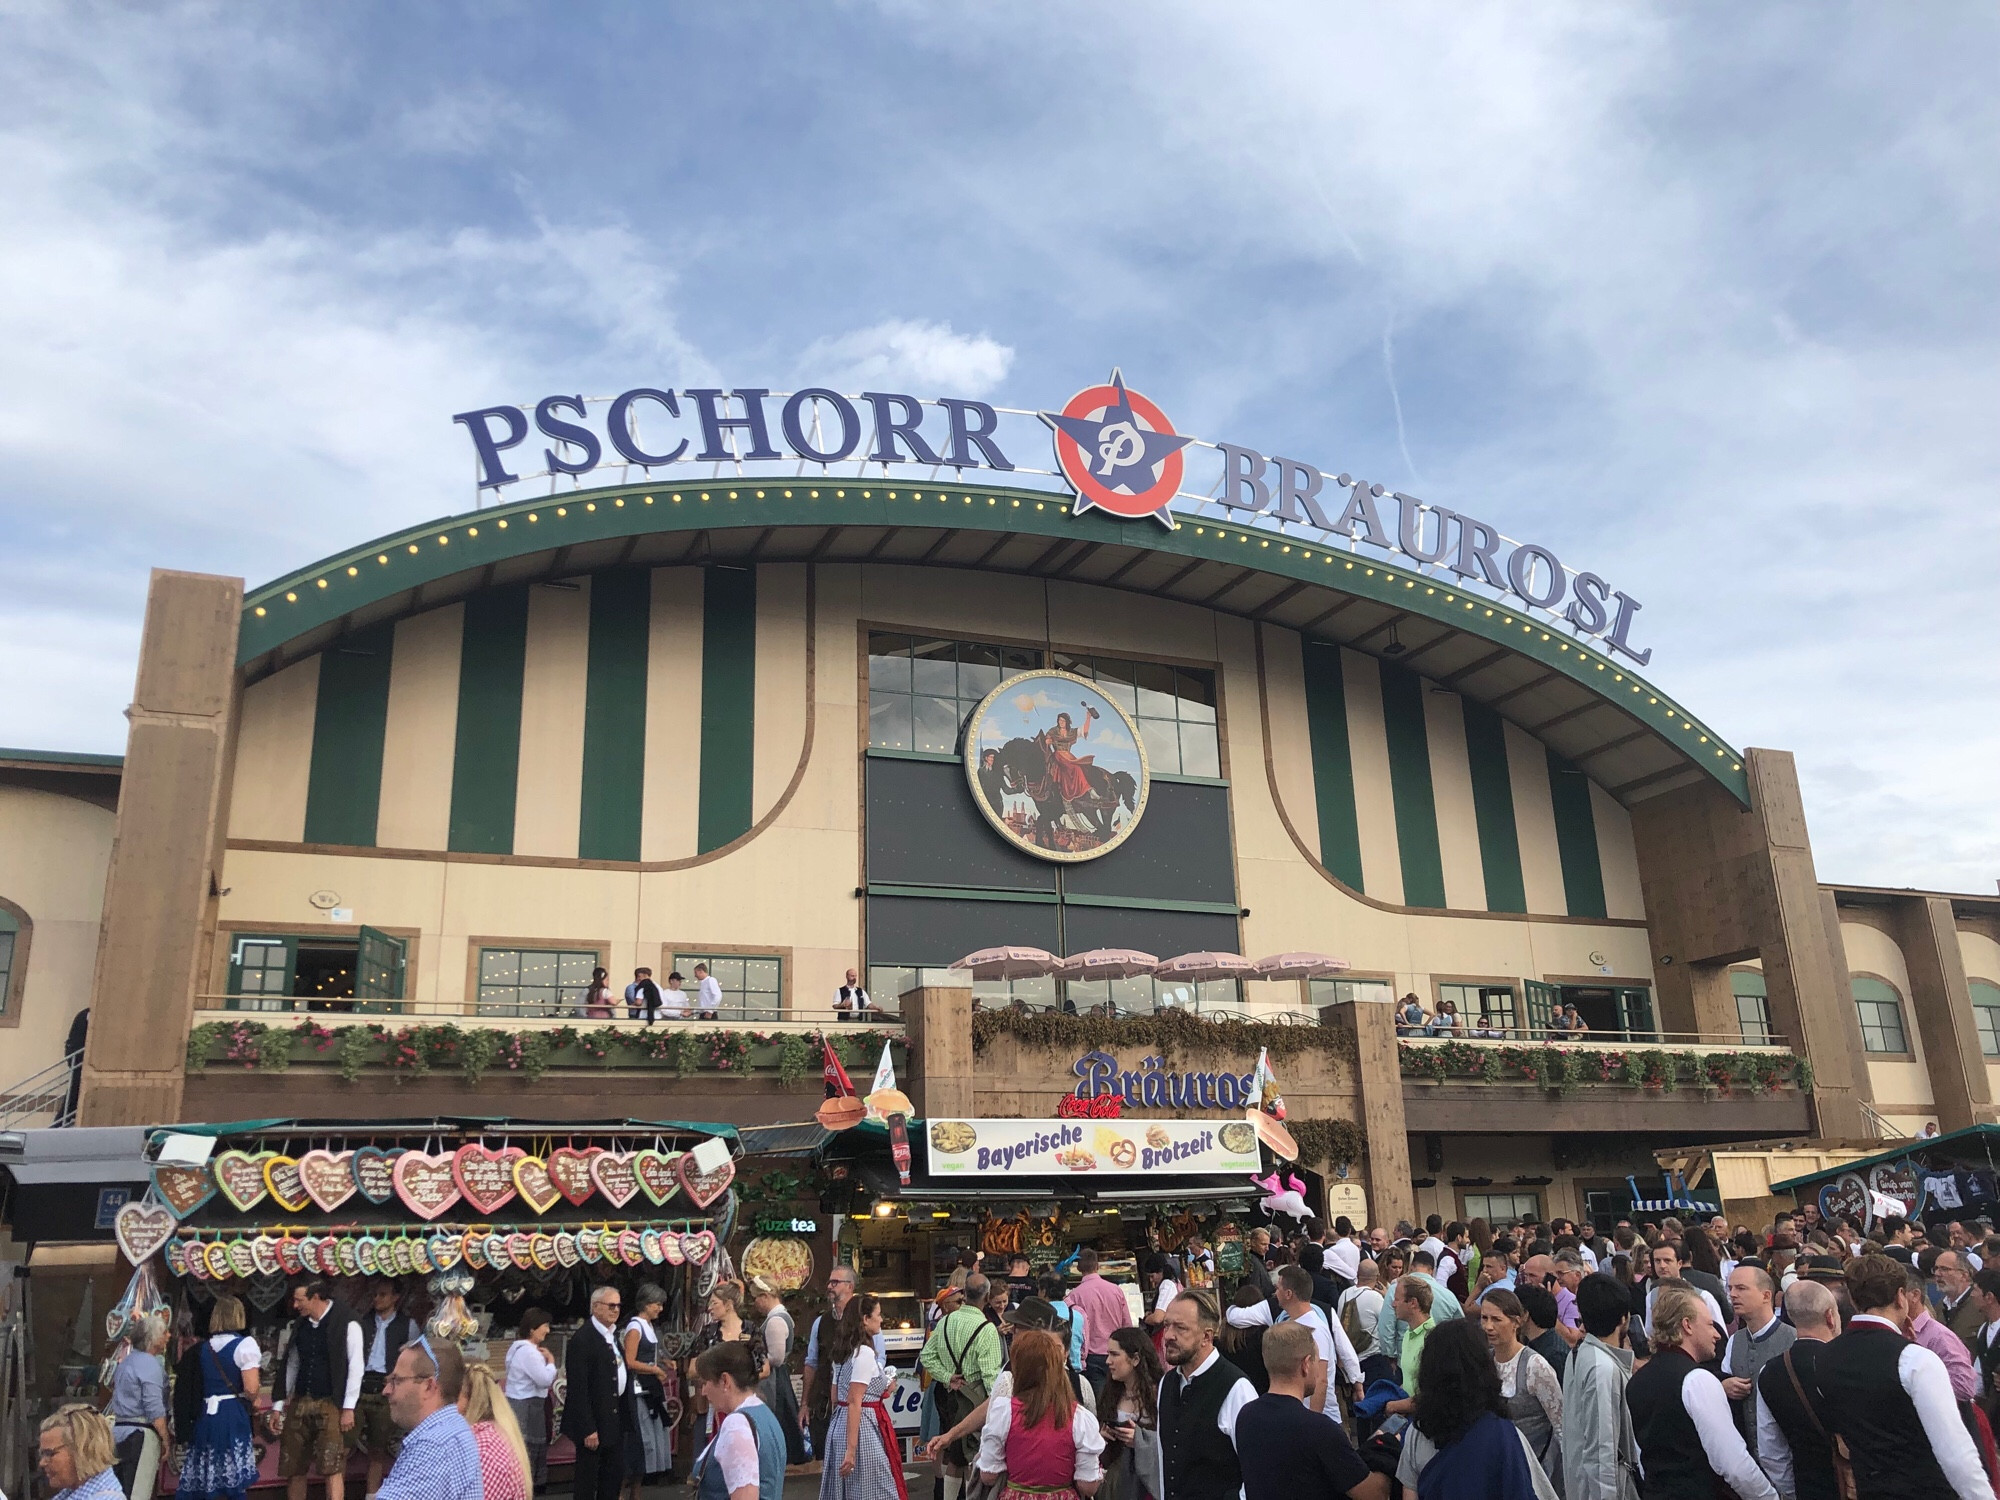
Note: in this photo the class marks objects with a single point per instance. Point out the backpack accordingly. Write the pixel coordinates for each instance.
(1350, 1322)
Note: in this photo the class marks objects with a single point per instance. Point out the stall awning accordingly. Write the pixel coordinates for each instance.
(108, 1154)
(1975, 1142)
(801, 1139)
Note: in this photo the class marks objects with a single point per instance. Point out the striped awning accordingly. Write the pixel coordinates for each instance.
(1674, 1205)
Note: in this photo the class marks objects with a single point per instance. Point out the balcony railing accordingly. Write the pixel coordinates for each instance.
(392, 1013)
(1680, 1041)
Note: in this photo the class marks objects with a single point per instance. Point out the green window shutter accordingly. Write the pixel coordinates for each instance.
(486, 760)
(614, 715)
(1576, 838)
(1332, 762)
(1493, 808)
(1410, 787)
(378, 967)
(344, 784)
(1541, 1000)
(728, 705)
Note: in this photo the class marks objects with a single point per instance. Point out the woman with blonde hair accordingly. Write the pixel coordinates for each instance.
(77, 1455)
(222, 1460)
(504, 1470)
(1047, 1441)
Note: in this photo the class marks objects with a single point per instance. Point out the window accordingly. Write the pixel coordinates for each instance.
(535, 981)
(260, 973)
(1881, 1010)
(1351, 991)
(1174, 708)
(1484, 1010)
(10, 928)
(1504, 1210)
(1753, 1007)
(751, 988)
(921, 691)
(1986, 1014)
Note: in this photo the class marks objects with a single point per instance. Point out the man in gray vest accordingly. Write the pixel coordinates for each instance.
(1762, 1337)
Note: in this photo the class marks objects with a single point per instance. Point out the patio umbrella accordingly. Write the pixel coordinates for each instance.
(1300, 966)
(1009, 963)
(1195, 968)
(1108, 963)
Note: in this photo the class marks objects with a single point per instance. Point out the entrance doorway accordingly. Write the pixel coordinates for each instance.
(1625, 1012)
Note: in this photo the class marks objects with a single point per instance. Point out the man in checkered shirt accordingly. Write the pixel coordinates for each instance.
(440, 1458)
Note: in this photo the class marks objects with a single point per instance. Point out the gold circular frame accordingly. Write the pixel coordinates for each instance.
(970, 757)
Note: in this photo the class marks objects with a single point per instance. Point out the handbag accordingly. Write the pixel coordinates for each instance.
(1843, 1468)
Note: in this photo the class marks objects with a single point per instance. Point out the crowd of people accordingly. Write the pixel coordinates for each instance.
(1564, 1022)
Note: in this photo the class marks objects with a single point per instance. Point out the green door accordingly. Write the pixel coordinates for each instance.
(378, 971)
(260, 973)
(1636, 1006)
(1541, 1007)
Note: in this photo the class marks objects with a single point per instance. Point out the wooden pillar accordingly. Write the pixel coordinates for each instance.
(1379, 1076)
(1927, 932)
(1722, 884)
(166, 856)
(937, 1023)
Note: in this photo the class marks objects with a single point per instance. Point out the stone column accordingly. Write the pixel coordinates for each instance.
(1927, 932)
(166, 858)
(1722, 884)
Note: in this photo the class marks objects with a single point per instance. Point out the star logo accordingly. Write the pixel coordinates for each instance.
(1119, 452)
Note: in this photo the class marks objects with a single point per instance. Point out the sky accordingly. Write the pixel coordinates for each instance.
(1702, 296)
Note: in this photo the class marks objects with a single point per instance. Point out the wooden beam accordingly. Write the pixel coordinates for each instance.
(1416, 651)
(1090, 550)
(1320, 619)
(1527, 687)
(1564, 718)
(1661, 775)
(757, 547)
(1242, 577)
(1138, 556)
(1609, 745)
(1183, 573)
(889, 534)
(1452, 679)
(944, 540)
(1282, 597)
(1374, 630)
(1040, 564)
(825, 544)
(992, 552)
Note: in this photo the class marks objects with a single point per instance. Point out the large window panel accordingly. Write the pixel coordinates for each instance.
(1881, 1013)
(1986, 1014)
(535, 981)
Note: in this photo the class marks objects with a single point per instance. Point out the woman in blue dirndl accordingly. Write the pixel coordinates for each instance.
(222, 1460)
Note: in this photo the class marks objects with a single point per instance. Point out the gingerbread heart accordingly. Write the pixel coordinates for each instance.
(521, 1250)
(543, 1249)
(704, 1187)
(266, 1292)
(142, 1228)
(698, 1247)
(184, 1189)
(264, 1254)
(532, 1182)
(630, 1250)
(657, 1174)
(241, 1178)
(364, 1255)
(177, 1257)
(485, 1177)
(374, 1173)
(402, 1256)
(649, 1243)
(347, 1256)
(328, 1177)
(615, 1176)
(472, 1245)
(420, 1258)
(567, 1254)
(308, 1252)
(569, 1170)
(425, 1182)
(588, 1246)
(287, 1187)
(498, 1256)
(445, 1250)
(197, 1261)
(241, 1261)
(670, 1247)
(290, 1262)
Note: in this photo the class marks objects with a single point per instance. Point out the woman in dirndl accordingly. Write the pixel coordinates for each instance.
(1045, 1440)
(649, 1438)
(222, 1461)
(863, 1460)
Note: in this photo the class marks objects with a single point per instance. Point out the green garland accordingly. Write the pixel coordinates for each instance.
(1560, 1070)
(1329, 1141)
(1163, 1030)
(474, 1051)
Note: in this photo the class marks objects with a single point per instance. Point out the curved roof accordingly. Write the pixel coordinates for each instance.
(1626, 734)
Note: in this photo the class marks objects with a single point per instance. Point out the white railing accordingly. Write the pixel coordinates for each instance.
(1671, 1041)
(44, 1093)
(277, 1010)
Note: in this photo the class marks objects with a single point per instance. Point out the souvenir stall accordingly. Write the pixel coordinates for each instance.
(1945, 1179)
(473, 1221)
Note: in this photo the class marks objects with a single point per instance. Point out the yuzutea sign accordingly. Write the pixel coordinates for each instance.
(1055, 1148)
(1117, 451)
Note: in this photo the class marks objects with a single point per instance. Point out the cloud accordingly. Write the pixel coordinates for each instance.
(901, 354)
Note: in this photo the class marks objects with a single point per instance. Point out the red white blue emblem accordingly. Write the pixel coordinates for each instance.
(1119, 452)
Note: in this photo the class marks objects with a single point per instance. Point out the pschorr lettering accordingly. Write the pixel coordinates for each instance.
(1004, 1157)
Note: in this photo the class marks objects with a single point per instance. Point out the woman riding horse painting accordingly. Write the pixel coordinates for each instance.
(1069, 768)
(1035, 790)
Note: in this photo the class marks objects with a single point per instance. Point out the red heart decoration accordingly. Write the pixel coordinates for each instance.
(485, 1177)
(532, 1181)
(425, 1183)
(521, 1249)
(141, 1229)
(704, 1187)
(569, 1170)
(615, 1176)
(631, 1248)
(328, 1177)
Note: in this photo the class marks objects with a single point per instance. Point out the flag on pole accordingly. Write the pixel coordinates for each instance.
(838, 1084)
(885, 1073)
(1265, 1082)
